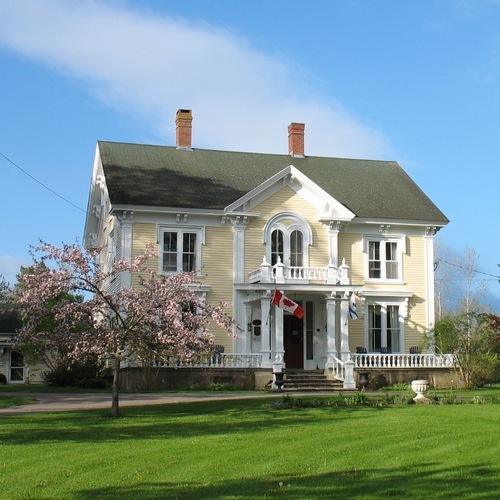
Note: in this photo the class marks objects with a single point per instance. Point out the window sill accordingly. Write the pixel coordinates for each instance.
(374, 281)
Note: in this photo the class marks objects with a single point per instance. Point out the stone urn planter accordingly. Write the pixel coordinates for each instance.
(279, 381)
(363, 380)
(419, 387)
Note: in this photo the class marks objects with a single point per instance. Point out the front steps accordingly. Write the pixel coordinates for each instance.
(310, 381)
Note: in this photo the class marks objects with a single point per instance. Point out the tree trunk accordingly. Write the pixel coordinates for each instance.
(115, 403)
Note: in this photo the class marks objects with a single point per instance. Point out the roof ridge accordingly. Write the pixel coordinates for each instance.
(257, 153)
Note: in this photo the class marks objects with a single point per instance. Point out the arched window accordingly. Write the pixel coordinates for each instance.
(296, 248)
(277, 246)
(287, 236)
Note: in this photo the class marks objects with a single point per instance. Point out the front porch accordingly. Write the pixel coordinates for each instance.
(396, 368)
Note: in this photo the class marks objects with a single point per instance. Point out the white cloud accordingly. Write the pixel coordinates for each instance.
(151, 65)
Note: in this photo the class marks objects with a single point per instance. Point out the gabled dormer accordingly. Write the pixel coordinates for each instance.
(328, 207)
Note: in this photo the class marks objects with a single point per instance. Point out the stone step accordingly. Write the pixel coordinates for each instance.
(310, 381)
(333, 390)
(306, 375)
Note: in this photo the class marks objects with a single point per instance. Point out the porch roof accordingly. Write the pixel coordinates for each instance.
(5, 341)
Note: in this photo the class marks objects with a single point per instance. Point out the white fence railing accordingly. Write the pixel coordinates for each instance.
(377, 360)
(366, 361)
(233, 360)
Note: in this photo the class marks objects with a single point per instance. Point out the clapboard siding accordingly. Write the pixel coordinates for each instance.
(142, 235)
(350, 249)
(414, 276)
(217, 261)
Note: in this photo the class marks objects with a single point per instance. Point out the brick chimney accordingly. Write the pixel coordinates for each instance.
(296, 139)
(183, 126)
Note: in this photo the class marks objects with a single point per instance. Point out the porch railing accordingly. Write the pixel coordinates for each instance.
(370, 360)
(338, 368)
(233, 360)
(377, 360)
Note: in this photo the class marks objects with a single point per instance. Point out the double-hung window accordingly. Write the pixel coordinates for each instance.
(180, 250)
(384, 327)
(384, 258)
(16, 367)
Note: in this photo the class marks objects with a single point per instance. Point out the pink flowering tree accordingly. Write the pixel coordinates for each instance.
(164, 316)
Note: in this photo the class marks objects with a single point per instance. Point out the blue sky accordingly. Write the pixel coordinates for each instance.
(415, 82)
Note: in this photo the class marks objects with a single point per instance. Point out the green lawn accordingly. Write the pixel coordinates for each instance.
(246, 449)
(8, 401)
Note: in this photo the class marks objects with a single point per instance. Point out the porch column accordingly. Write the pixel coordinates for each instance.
(248, 331)
(344, 327)
(331, 344)
(279, 348)
(265, 338)
(333, 236)
(239, 226)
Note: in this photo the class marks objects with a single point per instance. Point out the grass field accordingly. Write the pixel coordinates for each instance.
(7, 401)
(247, 449)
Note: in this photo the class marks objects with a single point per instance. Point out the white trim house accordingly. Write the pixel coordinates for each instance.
(321, 230)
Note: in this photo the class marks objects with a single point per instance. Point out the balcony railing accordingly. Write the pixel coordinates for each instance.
(279, 273)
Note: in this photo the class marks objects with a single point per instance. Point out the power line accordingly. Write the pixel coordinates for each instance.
(465, 279)
(467, 269)
(41, 183)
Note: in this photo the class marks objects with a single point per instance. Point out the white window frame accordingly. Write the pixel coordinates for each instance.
(287, 223)
(180, 231)
(17, 367)
(384, 306)
(400, 242)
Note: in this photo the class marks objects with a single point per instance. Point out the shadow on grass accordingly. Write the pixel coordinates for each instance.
(430, 480)
(163, 422)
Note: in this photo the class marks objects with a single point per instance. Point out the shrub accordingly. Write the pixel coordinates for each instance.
(377, 381)
(3, 379)
(59, 376)
(400, 387)
(290, 403)
(472, 339)
(396, 400)
(358, 399)
(92, 383)
(87, 374)
(213, 386)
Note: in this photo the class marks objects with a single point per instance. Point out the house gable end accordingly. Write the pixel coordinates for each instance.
(327, 206)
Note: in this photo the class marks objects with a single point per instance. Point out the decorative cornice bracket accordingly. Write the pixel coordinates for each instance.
(335, 225)
(125, 216)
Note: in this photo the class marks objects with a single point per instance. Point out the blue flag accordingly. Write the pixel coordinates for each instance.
(352, 307)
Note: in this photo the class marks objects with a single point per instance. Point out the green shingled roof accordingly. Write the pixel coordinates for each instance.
(163, 176)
